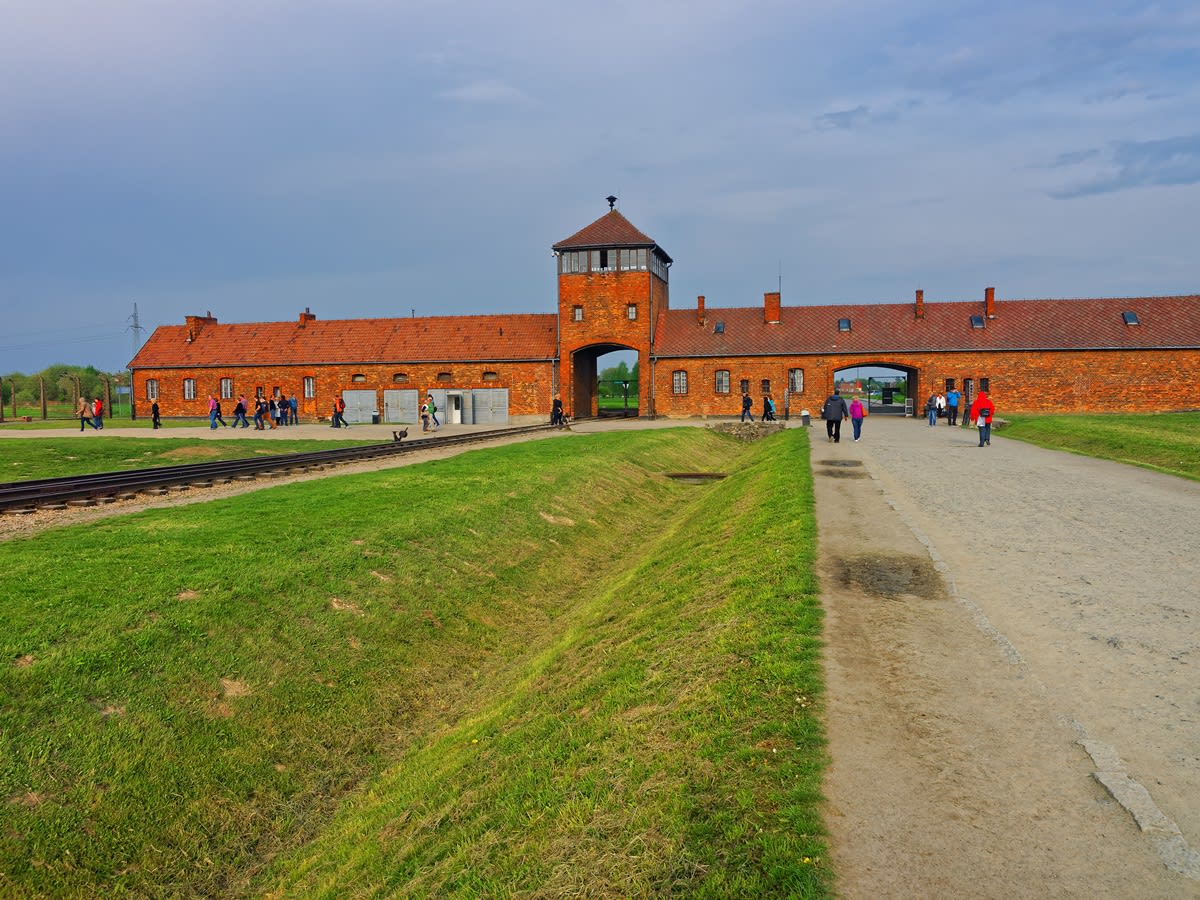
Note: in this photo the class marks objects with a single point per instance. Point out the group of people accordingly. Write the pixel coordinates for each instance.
(90, 412)
(768, 410)
(429, 419)
(269, 412)
(943, 406)
(982, 410)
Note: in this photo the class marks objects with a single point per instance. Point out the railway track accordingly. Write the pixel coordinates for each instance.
(19, 497)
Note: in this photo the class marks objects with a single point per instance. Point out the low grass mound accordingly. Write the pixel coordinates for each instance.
(1167, 442)
(536, 670)
(31, 458)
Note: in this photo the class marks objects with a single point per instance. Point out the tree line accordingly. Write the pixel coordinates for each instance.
(62, 384)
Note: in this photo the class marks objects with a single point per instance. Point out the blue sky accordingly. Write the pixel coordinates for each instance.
(369, 158)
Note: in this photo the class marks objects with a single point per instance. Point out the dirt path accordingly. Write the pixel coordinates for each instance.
(1012, 659)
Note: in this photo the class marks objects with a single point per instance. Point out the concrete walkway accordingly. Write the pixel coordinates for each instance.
(1081, 581)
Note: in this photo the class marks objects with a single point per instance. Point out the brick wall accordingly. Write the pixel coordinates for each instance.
(528, 384)
(1032, 382)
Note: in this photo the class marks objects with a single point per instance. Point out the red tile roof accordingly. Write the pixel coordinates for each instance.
(345, 341)
(610, 230)
(1166, 322)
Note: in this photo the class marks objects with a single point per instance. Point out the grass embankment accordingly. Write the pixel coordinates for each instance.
(534, 670)
(31, 458)
(1168, 442)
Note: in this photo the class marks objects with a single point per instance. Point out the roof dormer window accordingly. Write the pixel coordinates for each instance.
(1130, 318)
(843, 324)
(976, 321)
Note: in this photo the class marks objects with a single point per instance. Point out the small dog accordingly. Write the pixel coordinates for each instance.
(398, 436)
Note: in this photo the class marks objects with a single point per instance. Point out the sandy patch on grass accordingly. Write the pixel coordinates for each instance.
(29, 800)
(556, 520)
(231, 687)
(202, 451)
(187, 595)
(23, 662)
(344, 605)
(381, 576)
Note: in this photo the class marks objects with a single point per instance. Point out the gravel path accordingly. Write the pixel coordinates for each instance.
(1028, 723)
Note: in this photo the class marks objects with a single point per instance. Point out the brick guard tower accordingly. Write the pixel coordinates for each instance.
(612, 288)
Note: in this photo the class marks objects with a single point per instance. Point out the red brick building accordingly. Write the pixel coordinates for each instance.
(1112, 354)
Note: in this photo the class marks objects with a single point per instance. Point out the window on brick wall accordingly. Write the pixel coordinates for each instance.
(765, 386)
(491, 376)
(310, 387)
(189, 389)
(985, 384)
(577, 313)
(744, 386)
(949, 384)
(631, 311)
(399, 377)
(358, 378)
(151, 388)
(679, 382)
(796, 381)
(443, 376)
(226, 388)
(721, 381)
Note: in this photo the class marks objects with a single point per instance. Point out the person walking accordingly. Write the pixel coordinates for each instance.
(953, 397)
(239, 413)
(982, 411)
(768, 408)
(556, 412)
(834, 412)
(425, 416)
(212, 411)
(857, 413)
(84, 410)
(217, 413)
(339, 413)
(98, 414)
(931, 410)
(746, 404)
(433, 413)
(155, 419)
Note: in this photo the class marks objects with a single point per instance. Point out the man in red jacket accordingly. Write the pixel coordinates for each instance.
(982, 411)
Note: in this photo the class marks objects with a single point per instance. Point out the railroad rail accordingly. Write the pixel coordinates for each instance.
(107, 487)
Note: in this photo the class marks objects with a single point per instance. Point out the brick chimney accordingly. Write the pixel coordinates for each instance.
(700, 309)
(771, 308)
(306, 317)
(989, 302)
(920, 304)
(195, 324)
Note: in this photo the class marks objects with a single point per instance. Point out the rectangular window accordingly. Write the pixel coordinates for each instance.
(310, 387)
(151, 388)
(796, 381)
(189, 389)
(258, 392)
(679, 382)
(226, 388)
(721, 381)
(631, 311)
(577, 313)
(766, 385)
(744, 386)
(949, 384)
(985, 384)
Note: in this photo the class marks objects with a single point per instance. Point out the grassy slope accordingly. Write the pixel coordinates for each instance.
(1168, 443)
(30, 458)
(522, 671)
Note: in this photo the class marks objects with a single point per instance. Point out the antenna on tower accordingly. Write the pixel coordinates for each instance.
(137, 329)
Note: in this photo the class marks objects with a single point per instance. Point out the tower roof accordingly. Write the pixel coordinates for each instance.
(610, 230)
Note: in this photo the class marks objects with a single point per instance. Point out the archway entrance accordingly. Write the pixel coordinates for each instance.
(604, 381)
(885, 388)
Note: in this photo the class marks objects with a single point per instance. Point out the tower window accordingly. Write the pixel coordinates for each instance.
(601, 260)
(577, 313)
(631, 312)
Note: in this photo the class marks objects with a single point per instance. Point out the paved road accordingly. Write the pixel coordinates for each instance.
(1081, 582)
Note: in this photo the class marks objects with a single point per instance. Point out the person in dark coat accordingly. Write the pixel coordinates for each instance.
(834, 412)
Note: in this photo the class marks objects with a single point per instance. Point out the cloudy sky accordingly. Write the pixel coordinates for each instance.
(379, 157)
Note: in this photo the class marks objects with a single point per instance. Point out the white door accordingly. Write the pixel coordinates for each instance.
(401, 406)
(360, 406)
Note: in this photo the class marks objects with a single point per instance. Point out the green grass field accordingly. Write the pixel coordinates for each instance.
(536, 670)
(30, 458)
(1168, 442)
